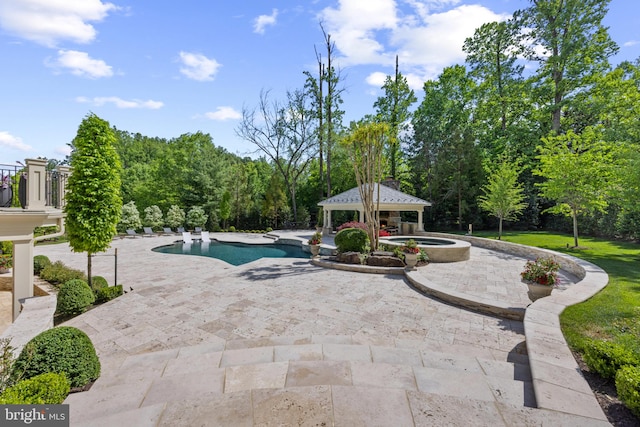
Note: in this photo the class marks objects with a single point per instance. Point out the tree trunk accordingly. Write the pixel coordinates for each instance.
(574, 214)
(89, 268)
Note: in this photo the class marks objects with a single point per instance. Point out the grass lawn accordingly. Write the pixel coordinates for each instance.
(612, 314)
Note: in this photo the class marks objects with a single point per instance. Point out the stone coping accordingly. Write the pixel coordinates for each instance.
(557, 380)
(36, 317)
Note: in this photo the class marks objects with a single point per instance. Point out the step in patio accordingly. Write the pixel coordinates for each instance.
(159, 379)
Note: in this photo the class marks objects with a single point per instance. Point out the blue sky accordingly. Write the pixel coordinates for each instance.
(164, 67)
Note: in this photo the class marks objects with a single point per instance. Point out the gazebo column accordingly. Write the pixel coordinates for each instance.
(326, 227)
(361, 215)
(420, 221)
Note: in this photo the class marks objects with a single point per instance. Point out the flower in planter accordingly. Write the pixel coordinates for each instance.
(316, 239)
(6, 262)
(543, 271)
(410, 247)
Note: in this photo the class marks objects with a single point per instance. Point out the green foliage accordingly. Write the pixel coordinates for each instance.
(63, 349)
(6, 363)
(39, 263)
(352, 239)
(628, 387)
(6, 261)
(97, 283)
(153, 216)
(130, 217)
(503, 195)
(108, 293)
(606, 358)
(74, 297)
(48, 388)
(196, 217)
(58, 273)
(232, 229)
(225, 207)
(93, 203)
(6, 248)
(175, 217)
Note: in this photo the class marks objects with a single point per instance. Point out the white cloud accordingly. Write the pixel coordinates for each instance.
(376, 79)
(81, 64)
(263, 20)
(198, 67)
(12, 142)
(223, 114)
(427, 35)
(48, 22)
(631, 43)
(63, 150)
(121, 103)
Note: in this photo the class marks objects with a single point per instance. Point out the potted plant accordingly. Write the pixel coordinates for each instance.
(314, 243)
(6, 262)
(411, 251)
(541, 276)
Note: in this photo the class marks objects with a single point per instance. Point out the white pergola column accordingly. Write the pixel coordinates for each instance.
(326, 224)
(420, 221)
(22, 272)
(361, 215)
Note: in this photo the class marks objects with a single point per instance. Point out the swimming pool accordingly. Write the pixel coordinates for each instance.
(234, 253)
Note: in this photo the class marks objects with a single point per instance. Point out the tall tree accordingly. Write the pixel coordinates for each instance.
(579, 173)
(393, 108)
(503, 195)
(365, 144)
(285, 133)
(93, 202)
(568, 40)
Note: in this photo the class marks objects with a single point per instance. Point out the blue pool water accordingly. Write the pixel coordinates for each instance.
(234, 253)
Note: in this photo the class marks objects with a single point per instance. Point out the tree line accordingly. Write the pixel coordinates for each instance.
(536, 118)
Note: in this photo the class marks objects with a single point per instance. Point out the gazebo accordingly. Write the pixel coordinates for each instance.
(392, 202)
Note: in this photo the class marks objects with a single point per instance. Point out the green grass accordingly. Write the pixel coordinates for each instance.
(612, 314)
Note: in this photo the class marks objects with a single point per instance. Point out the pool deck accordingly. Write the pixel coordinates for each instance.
(196, 341)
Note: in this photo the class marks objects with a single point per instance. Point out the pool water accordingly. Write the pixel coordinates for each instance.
(234, 253)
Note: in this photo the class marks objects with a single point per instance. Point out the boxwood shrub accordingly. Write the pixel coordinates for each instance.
(58, 273)
(39, 263)
(74, 297)
(63, 349)
(628, 387)
(606, 357)
(108, 293)
(98, 282)
(48, 388)
(352, 239)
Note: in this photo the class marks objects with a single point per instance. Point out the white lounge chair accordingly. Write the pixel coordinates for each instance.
(186, 237)
(204, 236)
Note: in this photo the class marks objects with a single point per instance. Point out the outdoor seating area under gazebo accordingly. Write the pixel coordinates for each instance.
(392, 203)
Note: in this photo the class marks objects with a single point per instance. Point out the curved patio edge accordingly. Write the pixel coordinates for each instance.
(36, 317)
(557, 380)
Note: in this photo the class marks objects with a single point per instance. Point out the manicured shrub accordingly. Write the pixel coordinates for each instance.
(97, 283)
(352, 239)
(63, 349)
(58, 273)
(74, 297)
(49, 388)
(628, 387)
(232, 229)
(108, 293)
(39, 263)
(606, 357)
(353, 224)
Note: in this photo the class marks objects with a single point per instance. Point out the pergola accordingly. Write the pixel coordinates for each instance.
(390, 201)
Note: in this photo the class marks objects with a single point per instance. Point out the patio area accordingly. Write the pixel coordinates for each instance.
(281, 341)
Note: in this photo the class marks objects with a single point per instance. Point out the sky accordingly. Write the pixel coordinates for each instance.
(164, 68)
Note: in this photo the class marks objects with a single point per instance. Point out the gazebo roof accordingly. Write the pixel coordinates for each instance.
(390, 199)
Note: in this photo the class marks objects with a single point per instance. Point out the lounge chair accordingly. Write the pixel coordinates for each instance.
(148, 232)
(180, 230)
(166, 231)
(198, 230)
(132, 233)
(186, 237)
(204, 236)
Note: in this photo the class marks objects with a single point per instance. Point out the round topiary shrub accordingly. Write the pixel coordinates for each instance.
(628, 387)
(606, 357)
(74, 297)
(352, 240)
(98, 282)
(39, 263)
(63, 349)
(49, 388)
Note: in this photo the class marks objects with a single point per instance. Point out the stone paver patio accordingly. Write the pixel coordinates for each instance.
(194, 337)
